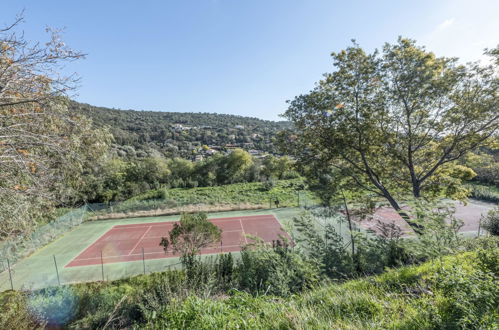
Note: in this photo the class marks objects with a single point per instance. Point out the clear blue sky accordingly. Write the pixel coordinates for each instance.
(240, 57)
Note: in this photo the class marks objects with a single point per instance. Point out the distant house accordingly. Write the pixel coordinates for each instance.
(198, 158)
(239, 126)
(254, 152)
(180, 127)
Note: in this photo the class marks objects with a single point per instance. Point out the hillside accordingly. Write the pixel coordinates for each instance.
(178, 134)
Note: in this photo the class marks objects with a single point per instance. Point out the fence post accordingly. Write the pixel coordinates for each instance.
(221, 246)
(57, 271)
(479, 226)
(10, 275)
(102, 265)
(143, 261)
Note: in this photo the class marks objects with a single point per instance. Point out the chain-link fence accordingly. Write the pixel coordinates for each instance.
(21, 246)
(46, 266)
(43, 271)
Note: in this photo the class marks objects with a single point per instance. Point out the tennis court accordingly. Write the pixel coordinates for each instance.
(132, 242)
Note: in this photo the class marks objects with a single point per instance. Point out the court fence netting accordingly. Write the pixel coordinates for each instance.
(16, 248)
(23, 267)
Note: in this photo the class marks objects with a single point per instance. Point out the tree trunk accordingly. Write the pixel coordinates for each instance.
(418, 229)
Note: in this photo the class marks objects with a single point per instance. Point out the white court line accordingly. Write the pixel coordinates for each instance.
(139, 254)
(140, 239)
(242, 229)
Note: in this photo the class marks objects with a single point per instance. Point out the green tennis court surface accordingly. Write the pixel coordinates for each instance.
(39, 269)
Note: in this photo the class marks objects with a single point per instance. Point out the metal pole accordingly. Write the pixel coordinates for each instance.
(221, 248)
(102, 265)
(298, 194)
(479, 226)
(143, 260)
(10, 275)
(57, 271)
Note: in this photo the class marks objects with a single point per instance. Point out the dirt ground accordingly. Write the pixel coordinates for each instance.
(470, 214)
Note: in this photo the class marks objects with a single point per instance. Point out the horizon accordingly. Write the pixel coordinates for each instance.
(244, 59)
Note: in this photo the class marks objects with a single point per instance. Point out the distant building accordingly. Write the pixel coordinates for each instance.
(180, 127)
(239, 126)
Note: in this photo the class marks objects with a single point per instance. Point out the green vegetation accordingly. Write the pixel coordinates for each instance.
(484, 193)
(457, 291)
(117, 179)
(491, 222)
(288, 192)
(192, 233)
(395, 122)
(180, 134)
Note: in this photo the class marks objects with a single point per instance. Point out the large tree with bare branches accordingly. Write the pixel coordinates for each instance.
(394, 122)
(43, 146)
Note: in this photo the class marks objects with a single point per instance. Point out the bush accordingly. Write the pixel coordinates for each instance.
(491, 222)
(484, 193)
(268, 185)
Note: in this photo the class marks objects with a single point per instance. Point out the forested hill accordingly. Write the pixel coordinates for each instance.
(181, 133)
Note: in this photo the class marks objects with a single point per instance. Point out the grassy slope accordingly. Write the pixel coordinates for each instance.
(434, 295)
(233, 194)
(453, 292)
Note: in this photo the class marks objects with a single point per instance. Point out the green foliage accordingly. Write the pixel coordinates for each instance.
(15, 314)
(276, 270)
(378, 121)
(119, 178)
(238, 193)
(56, 306)
(491, 222)
(439, 235)
(144, 133)
(458, 291)
(268, 185)
(484, 193)
(485, 162)
(192, 233)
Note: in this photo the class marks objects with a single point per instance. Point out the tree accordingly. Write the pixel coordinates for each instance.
(235, 166)
(394, 122)
(41, 141)
(192, 233)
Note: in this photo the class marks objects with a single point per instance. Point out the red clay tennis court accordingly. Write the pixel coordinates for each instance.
(136, 241)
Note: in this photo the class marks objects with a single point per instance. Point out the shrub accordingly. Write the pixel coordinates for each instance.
(268, 185)
(484, 193)
(491, 222)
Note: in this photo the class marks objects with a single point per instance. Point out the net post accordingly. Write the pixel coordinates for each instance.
(10, 275)
(102, 265)
(143, 261)
(57, 271)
